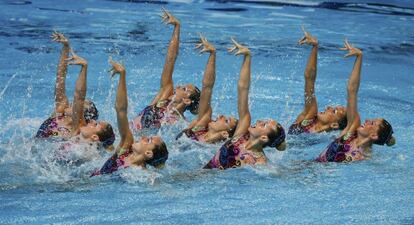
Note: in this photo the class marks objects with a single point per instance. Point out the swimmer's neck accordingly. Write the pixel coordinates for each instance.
(254, 145)
(319, 127)
(212, 137)
(176, 107)
(363, 142)
(135, 160)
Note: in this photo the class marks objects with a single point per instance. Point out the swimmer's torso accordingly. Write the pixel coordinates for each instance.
(233, 154)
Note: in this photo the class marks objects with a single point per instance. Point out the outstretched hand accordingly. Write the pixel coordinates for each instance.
(352, 51)
(204, 45)
(59, 37)
(168, 18)
(308, 39)
(240, 48)
(76, 60)
(117, 68)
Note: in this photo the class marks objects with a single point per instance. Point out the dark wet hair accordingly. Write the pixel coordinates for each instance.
(384, 133)
(90, 112)
(343, 122)
(160, 155)
(233, 130)
(106, 136)
(195, 100)
(276, 138)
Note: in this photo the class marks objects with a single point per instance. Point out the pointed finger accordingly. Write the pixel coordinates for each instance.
(234, 41)
(303, 29)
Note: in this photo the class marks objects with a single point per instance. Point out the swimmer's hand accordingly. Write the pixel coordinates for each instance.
(76, 60)
(308, 39)
(204, 45)
(168, 18)
(117, 68)
(59, 37)
(240, 48)
(352, 51)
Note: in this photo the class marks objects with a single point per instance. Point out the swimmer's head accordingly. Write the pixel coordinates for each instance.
(269, 133)
(90, 112)
(226, 126)
(152, 149)
(379, 131)
(101, 132)
(189, 95)
(335, 117)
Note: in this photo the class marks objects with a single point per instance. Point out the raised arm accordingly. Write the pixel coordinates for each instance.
(61, 100)
(121, 106)
(243, 87)
(311, 107)
(352, 114)
(167, 85)
(80, 92)
(205, 111)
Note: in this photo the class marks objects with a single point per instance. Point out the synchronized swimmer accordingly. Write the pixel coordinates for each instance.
(242, 142)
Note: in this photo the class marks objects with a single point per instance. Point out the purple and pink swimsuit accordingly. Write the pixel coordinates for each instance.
(51, 128)
(153, 116)
(341, 150)
(233, 154)
(303, 127)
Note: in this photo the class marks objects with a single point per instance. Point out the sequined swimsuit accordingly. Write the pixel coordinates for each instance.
(50, 127)
(233, 154)
(303, 127)
(195, 133)
(341, 150)
(153, 116)
(114, 163)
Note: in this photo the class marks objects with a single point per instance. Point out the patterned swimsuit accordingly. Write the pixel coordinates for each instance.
(303, 127)
(234, 154)
(341, 150)
(153, 116)
(50, 128)
(114, 163)
(196, 133)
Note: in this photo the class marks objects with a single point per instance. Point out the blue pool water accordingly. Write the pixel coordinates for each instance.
(35, 189)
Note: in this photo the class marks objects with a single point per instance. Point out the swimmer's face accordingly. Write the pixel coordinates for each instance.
(370, 128)
(222, 123)
(332, 114)
(92, 128)
(183, 92)
(262, 128)
(146, 145)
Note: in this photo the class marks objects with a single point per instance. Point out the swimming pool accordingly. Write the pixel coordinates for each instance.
(290, 190)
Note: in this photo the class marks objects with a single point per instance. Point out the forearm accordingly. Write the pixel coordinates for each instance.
(243, 87)
(208, 84)
(355, 77)
(172, 53)
(310, 106)
(121, 95)
(79, 98)
(352, 89)
(61, 99)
